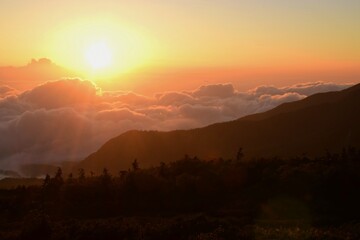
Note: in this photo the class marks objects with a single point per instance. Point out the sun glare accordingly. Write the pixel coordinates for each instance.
(100, 48)
(98, 55)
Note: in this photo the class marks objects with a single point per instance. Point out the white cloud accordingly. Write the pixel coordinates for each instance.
(70, 118)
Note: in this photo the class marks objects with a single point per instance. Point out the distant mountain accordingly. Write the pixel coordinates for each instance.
(40, 170)
(8, 173)
(321, 122)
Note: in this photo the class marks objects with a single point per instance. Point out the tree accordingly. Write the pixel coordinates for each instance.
(52, 186)
(239, 154)
(135, 165)
(46, 181)
(162, 169)
(105, 177)
(81, 175)
(123, 174)
(58, 179)
(70, 178)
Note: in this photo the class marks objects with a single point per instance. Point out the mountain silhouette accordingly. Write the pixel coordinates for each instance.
(322, 122)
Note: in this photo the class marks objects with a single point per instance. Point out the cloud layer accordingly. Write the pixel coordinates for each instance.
(70, 118)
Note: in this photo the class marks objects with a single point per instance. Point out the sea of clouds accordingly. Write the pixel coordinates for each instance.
(71, 118)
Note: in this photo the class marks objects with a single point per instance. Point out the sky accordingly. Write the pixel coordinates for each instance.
(244, 42)
(75, 73)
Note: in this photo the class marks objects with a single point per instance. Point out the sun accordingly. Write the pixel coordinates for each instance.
(101, 49)
(98, 55)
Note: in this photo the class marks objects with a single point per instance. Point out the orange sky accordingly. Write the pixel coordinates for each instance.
(163, 45)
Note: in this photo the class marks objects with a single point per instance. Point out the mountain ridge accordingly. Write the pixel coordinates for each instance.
(324, 121)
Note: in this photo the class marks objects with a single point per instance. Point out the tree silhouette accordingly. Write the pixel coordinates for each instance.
(70, 178)
(58, 179)
(162, 169)
(122, 174)
(135, 165)
(239, 154)
(105, 177)
(81, 175)
(47, 180)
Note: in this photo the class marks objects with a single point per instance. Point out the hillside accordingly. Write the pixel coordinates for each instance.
(321, 122)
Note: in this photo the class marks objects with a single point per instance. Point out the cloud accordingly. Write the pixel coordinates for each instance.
(116, 115)
(127, 98)
(6, 91)
(306, 89)
(70, 118)
(216, 90)
(267, 101)
(174, 98)
(56, 131)
(55, 94)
